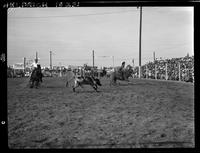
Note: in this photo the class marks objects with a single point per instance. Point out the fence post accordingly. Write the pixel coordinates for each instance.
(146, 72)
(155, 73)
(60, 72)
(166, 74)
(179, 68)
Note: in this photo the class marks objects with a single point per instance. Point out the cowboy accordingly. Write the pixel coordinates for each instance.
(40, 71)
(121, 71)
(33, 67)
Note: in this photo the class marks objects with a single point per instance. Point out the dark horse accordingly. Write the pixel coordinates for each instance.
(36, 77)
(116, 75)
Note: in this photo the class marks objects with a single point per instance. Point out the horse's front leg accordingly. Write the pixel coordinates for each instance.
(113, 82)
(76, 85)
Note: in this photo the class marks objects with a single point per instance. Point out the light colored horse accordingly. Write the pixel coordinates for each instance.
(70, 79)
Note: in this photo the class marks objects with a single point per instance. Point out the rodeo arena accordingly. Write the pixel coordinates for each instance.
(148, 105)
(87, 107)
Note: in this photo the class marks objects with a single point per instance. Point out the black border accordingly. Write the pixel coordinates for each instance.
(3, 76)
(81, 3)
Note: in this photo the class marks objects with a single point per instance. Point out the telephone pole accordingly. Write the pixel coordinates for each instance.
(36, 58)
(24, 64)
(50, 60)
(93, 59)
(140, 41)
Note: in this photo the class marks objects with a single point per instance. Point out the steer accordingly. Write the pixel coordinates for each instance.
(80, 81)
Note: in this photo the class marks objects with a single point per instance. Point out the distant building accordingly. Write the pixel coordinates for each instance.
(18, 66)
(73, 67)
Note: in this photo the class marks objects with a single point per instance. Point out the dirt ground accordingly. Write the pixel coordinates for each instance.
(141, 114)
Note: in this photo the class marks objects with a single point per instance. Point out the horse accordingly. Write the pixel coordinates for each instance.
(36, 77)
(116, 75)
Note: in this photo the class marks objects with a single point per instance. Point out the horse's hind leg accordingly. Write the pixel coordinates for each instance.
(36, 84)
(31, 84)
(113, 82)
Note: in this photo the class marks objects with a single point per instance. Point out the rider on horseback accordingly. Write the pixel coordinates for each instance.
(37, 68)
(121, 71)
(40, 71)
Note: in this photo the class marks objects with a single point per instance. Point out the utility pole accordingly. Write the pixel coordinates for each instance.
(93, 63)
(36, 58)
(140, 41)
(50, 60)
(146, 72)
(24, 64)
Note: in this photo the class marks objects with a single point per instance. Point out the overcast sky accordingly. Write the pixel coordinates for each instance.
(72, 33)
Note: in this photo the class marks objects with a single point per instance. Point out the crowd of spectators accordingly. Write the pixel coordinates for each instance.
(177, 69)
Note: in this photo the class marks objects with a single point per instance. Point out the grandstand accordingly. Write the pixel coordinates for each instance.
(179, 69)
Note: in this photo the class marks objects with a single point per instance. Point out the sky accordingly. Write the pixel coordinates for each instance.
(112, 32)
